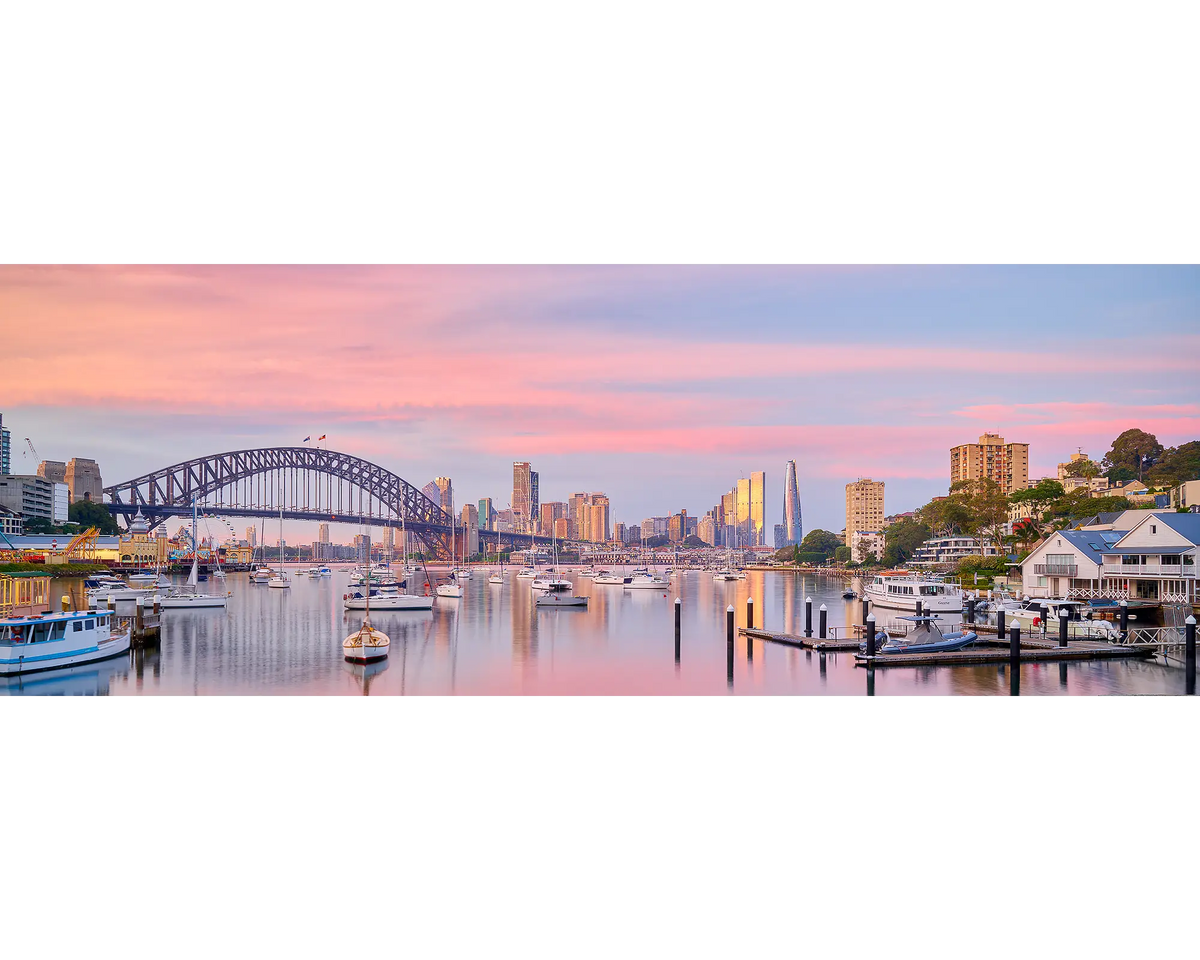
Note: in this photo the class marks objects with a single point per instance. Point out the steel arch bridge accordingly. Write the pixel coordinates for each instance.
(306, 483)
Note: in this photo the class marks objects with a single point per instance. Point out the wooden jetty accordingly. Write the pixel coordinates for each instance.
(992, 649)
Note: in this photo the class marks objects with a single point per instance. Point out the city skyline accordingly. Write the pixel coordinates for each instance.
(766, 365)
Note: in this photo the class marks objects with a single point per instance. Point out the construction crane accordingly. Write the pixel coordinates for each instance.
(33, 450)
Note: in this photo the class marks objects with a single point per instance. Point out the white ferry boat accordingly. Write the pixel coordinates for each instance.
(28, 644)
(901, 591)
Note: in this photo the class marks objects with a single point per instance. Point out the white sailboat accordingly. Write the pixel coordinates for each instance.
(368, 644)
(556, 592)
(191, 598)
(451, 589)
(280, 580)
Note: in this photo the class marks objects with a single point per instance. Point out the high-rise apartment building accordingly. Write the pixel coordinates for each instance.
(251, 537)
(322, 532)
(758, 501)
(991, 457)
(5, 448)
(533, 495)
(727, 528)
(706, 530)
(620, 533)
(561, 525)
(793, 527)
(780, 537)
(362, 548)
(864, 508)
(635, 533)
(487, 516)
(34, 497)
(522, 497)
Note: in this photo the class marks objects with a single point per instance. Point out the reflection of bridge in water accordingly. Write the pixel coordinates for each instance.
(306, 483)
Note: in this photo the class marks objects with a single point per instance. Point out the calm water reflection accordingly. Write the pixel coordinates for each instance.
(494, 641)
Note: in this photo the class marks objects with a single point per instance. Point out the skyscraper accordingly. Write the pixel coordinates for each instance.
(533, 496)
(522, 496)
(487, 516)
(793, 527)
(758, 500)
(251, 536)
(5, 448)
(446, 490)
(742, 492)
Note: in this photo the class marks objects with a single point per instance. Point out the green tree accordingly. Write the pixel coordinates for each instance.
(1134, 450)
(842, 554)
(901, 540)
(88, 513)
(820, 541)
(946, 516)
(1177, 464)
(1039, 497)
(1083, 468)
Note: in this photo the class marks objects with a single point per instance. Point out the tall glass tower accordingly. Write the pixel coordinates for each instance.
(793, 526)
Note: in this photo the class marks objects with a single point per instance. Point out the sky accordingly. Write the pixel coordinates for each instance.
(659, 386)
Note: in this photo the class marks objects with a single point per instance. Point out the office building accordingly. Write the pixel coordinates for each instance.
(487, 516)
(677, 527)
(758, 501)
(470, 528)
(781, 540)
(635, 533)
(533, 495)
(706, 530)
(251, 537)
(5, 448)
(34, 497)
(864, 508)
(598, 520)
(620, 533)
(549, 512)
(793, 527)
(83, 480)
(574, 504)
(561, 525)
(1005, 463)
(362, 548)
(11, 524)
(522, 497)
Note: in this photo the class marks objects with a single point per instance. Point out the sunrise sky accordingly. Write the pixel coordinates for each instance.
(657, 385)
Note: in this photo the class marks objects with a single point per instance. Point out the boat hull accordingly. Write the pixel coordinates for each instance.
(553, 600)
(12, 664)
(402, 602)
(190, 603)
(944, 604)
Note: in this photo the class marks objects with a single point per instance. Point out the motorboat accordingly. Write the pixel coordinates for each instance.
(29, 644)
(848, 594)
(558, 594)
(104, 587)
(149, 580)
(604, 578)
(461, 574)
(1028, 613)
(313, 573)
(881, 637)
(647, 581)
(495, 578)
(262, 575)
(547, 584)
(527, 573)
(903, 591)
(724, 575)
(587, 572)
(280, 581)
(925, 639)
(178, 600)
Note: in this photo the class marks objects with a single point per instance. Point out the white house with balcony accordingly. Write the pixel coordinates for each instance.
(1156, 560)
(1068, 563)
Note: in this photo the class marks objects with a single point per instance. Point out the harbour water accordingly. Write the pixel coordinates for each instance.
(495, 641)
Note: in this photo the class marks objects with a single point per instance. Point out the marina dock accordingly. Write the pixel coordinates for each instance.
(992, 649)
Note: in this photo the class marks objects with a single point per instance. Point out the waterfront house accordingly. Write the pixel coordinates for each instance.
(1068, 563)
(1156, 560)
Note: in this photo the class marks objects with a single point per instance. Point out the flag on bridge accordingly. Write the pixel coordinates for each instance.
(320, 438)
(306, 439)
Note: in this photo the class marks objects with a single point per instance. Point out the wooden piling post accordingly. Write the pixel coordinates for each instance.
(1014, 644)
(870, 631)
(821, 630)
(112, 604)
(1189, 656)
(808, 616)
(141, 617)
(1124, 619)
(729, 644)
(865, 604)
(1045, 612)
(920, 607)
(157, 604)
(971, 610)
(678, 608)
(750, 612)
(1000, 625)
(1063, 616)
